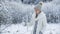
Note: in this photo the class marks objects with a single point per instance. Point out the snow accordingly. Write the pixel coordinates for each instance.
(22, 12)
(16, 29)
(52, 28)
(20, 29)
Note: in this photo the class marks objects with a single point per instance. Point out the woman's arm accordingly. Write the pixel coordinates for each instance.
(44, 23)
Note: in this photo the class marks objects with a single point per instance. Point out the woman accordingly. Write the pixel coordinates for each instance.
(38, 20)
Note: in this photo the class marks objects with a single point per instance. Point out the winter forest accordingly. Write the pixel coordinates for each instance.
(14, 14)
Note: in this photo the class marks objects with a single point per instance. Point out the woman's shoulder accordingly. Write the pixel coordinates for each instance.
(43, 14)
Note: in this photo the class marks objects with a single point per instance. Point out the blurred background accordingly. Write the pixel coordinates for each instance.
(20, 11)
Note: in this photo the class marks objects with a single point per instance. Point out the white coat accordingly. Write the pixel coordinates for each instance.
(42, 21)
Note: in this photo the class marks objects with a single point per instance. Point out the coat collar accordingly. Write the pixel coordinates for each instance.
(39, 16)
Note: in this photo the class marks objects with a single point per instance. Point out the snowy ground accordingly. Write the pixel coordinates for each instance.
(20, 29)
(52, 29)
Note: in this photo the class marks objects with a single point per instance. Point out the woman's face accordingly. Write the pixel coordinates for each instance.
(37, 11)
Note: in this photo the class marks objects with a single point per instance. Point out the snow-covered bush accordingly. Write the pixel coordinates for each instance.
(17, 12)
(52, 10)
(5, 16)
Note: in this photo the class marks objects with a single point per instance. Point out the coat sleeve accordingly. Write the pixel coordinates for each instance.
(44, 23)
